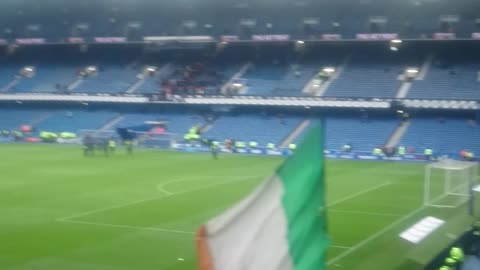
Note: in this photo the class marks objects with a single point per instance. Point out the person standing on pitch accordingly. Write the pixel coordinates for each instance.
(129, 146)
(88, 145)
(112, 145)
(214, 149)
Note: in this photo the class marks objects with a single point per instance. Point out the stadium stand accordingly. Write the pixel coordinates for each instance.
(279, 79)
(74, 121)
(443, 135)
(48, 78)
(223, 18)
(361, 134)
(13, 119)
(109, 79)
(262, 129)
(454, 77)
(7, 75)
(175, 123)
(370, 76)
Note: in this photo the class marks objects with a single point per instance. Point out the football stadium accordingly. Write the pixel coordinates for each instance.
(239, 135)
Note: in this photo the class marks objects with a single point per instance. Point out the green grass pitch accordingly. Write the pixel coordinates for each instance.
(61, 211)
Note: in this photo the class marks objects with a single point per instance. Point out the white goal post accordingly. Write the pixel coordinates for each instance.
(448, 183)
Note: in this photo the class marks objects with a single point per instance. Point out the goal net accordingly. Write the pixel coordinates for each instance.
(448, 183)
(142, 139)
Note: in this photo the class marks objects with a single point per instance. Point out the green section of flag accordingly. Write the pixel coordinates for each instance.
(304, 202)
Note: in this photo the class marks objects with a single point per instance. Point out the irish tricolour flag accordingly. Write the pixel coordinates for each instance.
(279, 226)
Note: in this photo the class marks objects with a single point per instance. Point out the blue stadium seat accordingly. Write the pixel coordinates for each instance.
(74, 121)
(176, 123)
(363, 135)
(46, 77)
(13, 119)
(442, 135)
(110, 79)
(279, 79)
(262, 129)
(458, 82)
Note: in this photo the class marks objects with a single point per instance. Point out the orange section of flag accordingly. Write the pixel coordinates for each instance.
(203, 252)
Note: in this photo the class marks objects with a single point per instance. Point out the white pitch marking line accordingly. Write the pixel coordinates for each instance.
(366, 213)
(162, 187)
(389, 227)
(358, 194)
(125, 226)
(150, 199)
(342, 247)
(373, 236)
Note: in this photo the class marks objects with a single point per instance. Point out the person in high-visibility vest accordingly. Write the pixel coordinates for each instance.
(347, 147)
(470, 156)
(129, 146)
(214, 149)
(292, 147)
(457, 254)
(377, 151)
(112, 145)
(240, 144)
(253, 145)
(401, 150)
(451, 262)
(428, 153)
(270, 146)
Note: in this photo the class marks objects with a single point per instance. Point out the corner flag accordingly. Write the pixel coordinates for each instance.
(279, 226)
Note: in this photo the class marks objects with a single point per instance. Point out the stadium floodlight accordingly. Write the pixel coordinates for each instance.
(28, 71)
(395, 44)
(411, 72)
(91, 70)
(151, 69)
(329, 70)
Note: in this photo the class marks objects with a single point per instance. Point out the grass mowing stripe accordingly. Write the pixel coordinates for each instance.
(150, 199)
(365, 213)
(373, 236)
(379, 233)
(127, 227)
(340, 247)
(358, 194)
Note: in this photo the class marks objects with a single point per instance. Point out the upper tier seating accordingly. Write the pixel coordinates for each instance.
(279, 79)
(370, 76)
(47, 77)
(459, 81)
(109, 79)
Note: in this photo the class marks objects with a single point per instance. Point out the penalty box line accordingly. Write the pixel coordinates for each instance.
(94, 211)
(68, 219)
(379, 233)
(127, 227)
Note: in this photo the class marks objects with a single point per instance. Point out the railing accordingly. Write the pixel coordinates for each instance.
(295, 101)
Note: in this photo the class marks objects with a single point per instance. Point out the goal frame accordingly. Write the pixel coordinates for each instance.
(467, 170)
